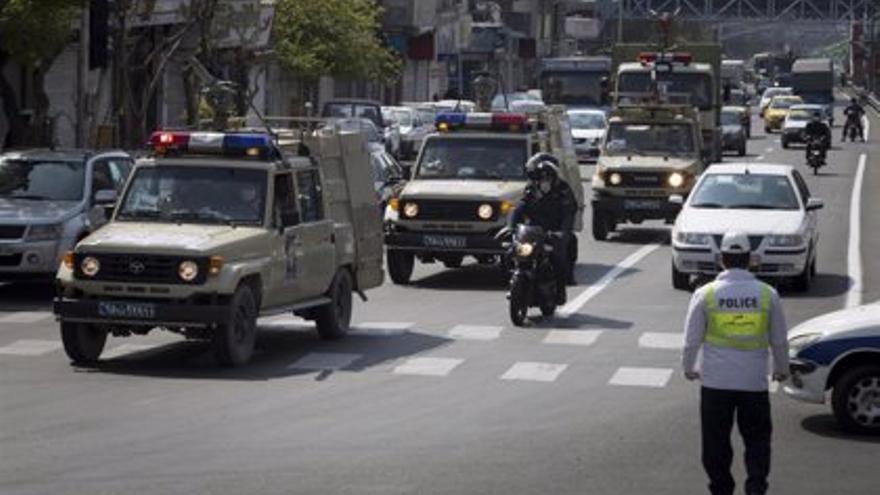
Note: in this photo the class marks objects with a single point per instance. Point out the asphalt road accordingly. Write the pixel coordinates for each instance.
(435, 392)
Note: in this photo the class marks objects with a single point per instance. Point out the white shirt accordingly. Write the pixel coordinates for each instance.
(733, 369)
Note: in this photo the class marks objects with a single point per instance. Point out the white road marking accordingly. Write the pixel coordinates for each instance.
(382, 329)
(854, 251)
(475, 332)
(124, 349)
(325, 361)
(592, 291)
(768, 150)
(25, 317)
(535, 372)
(759, 157)
(572, 337)
(428, 366)
(641, 377)
(866, 127)
(661, 340)
(29, 347)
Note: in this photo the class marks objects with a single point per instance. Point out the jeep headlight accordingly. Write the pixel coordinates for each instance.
(693, 239)
(410, 210)
(801, 342)
(90, 266)
(525, 249)
(794, 240)
(485, 211)
(188, 270)
(49, 232)
(676, 179)
(615, 179)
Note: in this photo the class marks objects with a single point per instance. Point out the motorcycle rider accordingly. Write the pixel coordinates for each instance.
(817, 134)
(549, 202)
(853, 113)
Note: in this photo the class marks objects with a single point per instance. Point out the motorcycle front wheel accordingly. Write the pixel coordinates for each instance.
(519, 307)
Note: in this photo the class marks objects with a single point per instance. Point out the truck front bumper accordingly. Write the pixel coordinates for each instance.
(431, 243)
(143, 313)
(636, 207)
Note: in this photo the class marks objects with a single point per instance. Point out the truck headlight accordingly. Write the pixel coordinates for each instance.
(676, 179)
(525, 249)
(615, 179)
(188, 270)
(693, 239)
(49, 232)
(785, 240)
(801, 342)
(485, 211)
(90, 266)
(410, 210)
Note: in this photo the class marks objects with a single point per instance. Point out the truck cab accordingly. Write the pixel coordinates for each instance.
(216, 229)
(466, 181)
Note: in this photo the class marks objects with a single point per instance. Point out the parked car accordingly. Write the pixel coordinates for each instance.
(413, 128)
(389, 176)
(839, 352)
(369, 109)
(740, 101)
(796, 121)
(587, 131)
(49, 201)
(733, 134)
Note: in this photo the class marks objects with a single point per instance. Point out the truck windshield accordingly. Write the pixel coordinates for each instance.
(695, 84)
(212, 195)
(473, 158)
(574, 88)
(649, 139)
(347, 110)
(745, 191)
(42, 180)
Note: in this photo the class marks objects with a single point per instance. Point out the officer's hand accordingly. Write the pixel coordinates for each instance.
(780, 377)
(692, 375)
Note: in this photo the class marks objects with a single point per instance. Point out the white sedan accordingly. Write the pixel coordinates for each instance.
(839, 352)
(770, 203)
(587, 131)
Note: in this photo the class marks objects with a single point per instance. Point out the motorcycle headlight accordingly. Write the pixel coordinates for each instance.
(615, 179)
(801, 342)
(44, 232)
(525, 249)
(485, 211)
(693, 239)
(90, 266)
(188, 270)
(410, 210)
(785, 240)
(676, 179)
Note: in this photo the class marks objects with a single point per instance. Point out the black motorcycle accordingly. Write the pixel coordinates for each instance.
(816, 149)
(533, 279)
(852, 129)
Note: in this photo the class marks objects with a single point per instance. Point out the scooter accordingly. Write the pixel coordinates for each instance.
(816, 154)
(533, 278)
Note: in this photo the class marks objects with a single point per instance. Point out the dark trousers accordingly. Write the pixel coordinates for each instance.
(752, 412)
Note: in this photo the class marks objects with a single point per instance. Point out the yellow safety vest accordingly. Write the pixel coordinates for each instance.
(742, 330)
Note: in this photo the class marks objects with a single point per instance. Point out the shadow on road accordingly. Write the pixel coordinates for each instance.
(824, 285)
(581, 321)
(26, 297)
(468, 277)
(824, 425)
(277, 352)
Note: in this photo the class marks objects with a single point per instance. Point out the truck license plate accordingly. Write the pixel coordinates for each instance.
(127, 311)
(641, 204)
(444, 241)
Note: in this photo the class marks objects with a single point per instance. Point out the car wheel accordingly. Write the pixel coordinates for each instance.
(680, 280)
(855, 400)
(334, 319)
(784, 144)
(234, 340)
(803, 281)
(400, 266)
(742, 150)
(767, 130)
(601, 223)
(83, 343)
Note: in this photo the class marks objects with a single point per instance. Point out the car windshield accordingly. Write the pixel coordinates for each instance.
(745, 191)
(586, 120)
(42, 180)
(730, 118)
(473, 158)
(212, 195)
(697, 85)
(649, 139)
(347, 110)
(783, 103)
(360, 125)
(402, 117)
(799, 115)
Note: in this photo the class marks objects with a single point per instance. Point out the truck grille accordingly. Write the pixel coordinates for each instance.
(642, 179)
(145, 269)
(454, 211)
(9, 232)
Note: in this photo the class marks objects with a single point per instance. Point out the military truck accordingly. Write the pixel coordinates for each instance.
(217, 229)
(466, 181)
(650, 153)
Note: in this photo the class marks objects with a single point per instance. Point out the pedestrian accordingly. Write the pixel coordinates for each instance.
(735, 321)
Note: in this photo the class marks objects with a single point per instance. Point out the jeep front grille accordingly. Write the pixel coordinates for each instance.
(452, 211)
(143, 269)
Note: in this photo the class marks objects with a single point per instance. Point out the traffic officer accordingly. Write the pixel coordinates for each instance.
(735, 320)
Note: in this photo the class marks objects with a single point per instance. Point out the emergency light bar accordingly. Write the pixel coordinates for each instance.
(677, 57)
(213, 143)
(500, 121)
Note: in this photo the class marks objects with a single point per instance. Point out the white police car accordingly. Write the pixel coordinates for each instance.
(840, 352)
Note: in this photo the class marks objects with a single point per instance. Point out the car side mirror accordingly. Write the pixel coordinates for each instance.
(105, 197)
(676, 199)
(815, 204)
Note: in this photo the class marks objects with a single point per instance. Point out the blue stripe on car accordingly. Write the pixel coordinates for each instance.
(825, 352)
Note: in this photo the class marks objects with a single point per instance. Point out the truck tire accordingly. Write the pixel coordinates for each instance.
(83, 343)
(334, 319)
(851, 400)
(600, 225)
(400, 266)
(680, 280)
(234, 340)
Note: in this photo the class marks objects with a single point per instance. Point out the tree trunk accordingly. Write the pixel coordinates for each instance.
(16, 135)
(43, 131)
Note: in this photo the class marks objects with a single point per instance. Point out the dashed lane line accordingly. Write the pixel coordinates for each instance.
(854, 252)
(26, 317)
(641, 377)
(661, 340)
(428, 366)
(30, 347)
(534, 371)
(475, 332)
(572, 337)
(382, 329)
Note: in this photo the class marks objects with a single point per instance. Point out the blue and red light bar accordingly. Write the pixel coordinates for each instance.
(676, 57)
(213, 143)
(497, 121)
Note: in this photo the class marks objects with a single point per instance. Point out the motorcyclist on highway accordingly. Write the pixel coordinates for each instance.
(853, 113)
(817, 135)
(549, 203)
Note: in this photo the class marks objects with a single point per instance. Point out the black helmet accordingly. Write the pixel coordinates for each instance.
(542, 166)
(854, 100)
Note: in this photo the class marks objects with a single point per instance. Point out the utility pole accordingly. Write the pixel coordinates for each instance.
(82, 72)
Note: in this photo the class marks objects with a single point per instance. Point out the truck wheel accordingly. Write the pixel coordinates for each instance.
(234, 340)
(855, 400)
(400, 266)
(83, 343)
(333, 319)
(742, 150)
(768, 130)
(600, 225)
(453, 262)
(784, 144)
(680, 280)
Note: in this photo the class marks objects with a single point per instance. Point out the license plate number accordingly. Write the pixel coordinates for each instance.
(641, 204)
(127, 311)
(444, 241)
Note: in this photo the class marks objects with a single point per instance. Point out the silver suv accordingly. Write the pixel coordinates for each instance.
(49, 200)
